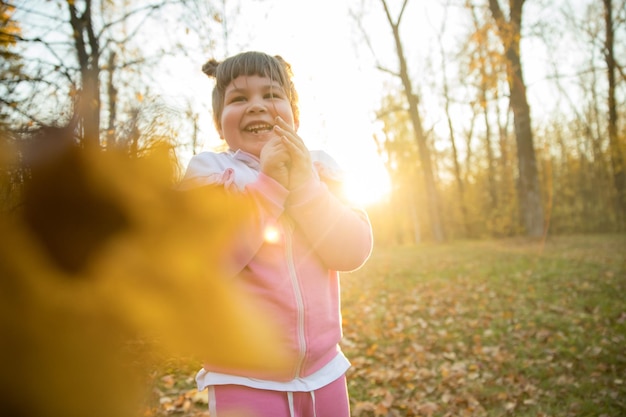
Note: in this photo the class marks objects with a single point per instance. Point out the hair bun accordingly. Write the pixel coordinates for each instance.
(285, 64)
(210, 67)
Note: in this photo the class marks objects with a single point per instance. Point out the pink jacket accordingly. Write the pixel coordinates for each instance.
(293, 274)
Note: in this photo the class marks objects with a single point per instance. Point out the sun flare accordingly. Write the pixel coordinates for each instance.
(367, 187)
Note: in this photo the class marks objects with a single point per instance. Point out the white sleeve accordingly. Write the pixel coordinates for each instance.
(208, 168)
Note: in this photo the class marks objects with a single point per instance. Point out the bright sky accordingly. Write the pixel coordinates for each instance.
(336, 76)
(337, 79)
(338, 91)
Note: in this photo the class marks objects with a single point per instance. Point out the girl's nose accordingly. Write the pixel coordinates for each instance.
(256, 106)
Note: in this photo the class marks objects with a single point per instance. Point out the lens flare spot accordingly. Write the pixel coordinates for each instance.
(271, 234)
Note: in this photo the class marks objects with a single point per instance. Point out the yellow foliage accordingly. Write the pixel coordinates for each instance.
(9, 29)
(106, 266)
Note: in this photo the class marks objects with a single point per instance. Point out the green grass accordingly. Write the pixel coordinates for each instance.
(494, 328)
(485, 328)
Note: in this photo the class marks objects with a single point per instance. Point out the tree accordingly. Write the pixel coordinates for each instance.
(10, 65)
(412, 99)
(615, 148)
(453, 141)
(494, 203)
(71, 45)
(88, 52)
(485, 65)
(509, 32)
(582, 188)
(400, 152)
(416, 121)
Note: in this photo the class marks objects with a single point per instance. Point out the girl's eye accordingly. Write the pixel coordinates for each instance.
(273, 95)
(237, 99)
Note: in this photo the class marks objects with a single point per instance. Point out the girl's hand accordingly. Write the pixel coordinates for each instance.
(301, 169)
(275, 161)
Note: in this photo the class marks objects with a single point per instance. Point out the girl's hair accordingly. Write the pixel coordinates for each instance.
(249, 63)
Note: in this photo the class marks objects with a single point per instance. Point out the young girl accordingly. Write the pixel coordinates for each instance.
(288, 256)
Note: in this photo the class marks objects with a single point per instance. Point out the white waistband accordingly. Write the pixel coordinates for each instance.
(329, 373)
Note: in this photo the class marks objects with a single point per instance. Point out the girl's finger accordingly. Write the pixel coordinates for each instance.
(290, 137)
(294, 147)
(282, 123)
(284, 127)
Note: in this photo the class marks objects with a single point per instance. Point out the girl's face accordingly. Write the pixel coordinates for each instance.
(251, 104)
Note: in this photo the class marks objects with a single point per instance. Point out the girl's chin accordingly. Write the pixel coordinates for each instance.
(260, 143)
(255, 150)
(263, 137)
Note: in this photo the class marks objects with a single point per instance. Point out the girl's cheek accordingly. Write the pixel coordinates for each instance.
(287, 119)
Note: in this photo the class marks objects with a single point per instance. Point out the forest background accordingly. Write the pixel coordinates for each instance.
(471, 149)
(485, 121)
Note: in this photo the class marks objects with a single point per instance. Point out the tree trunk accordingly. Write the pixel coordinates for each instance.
(88, 54)
(112, 97)
(484, 105)
(457, 166)
(455, 154)
(424, 152)
(531, 207)
(617, 157)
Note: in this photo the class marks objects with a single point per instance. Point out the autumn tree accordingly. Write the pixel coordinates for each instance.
(585, 197)
(10, 65)
(484, 65)
(448, 103)
(416, 121)
(71, 45)
(10, 76)
(483, 69)
(399, 151)
(412, 104)
(615, 143)
(530, 199)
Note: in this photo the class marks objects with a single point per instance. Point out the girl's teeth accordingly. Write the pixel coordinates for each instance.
(260, 129)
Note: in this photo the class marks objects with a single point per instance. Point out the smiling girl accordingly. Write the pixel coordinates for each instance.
(292, 246)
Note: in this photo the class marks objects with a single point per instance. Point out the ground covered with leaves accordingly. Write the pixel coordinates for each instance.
(481, 328)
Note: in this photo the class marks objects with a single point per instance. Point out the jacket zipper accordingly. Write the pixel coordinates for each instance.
(298, 295)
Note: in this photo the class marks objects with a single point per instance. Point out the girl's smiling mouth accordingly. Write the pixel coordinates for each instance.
(258, 128)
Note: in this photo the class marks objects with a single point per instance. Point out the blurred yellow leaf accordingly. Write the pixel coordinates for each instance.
(106, 266)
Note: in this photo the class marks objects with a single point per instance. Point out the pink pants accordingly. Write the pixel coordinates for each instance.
(240, 401)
